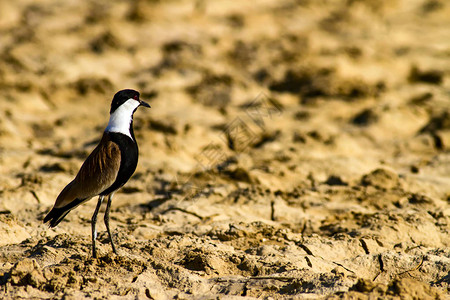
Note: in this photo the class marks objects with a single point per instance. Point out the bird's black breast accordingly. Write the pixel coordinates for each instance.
(129, 153)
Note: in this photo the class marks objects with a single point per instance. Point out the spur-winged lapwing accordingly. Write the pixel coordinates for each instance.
(107, 168)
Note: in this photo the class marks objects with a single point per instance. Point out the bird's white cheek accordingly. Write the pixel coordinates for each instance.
(121, 118)
(130, 105)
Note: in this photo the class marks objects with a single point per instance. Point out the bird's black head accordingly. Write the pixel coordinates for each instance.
(123, 96)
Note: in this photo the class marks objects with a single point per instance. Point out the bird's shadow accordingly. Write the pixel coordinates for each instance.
(163, 193)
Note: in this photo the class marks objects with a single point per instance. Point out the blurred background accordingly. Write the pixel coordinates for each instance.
(314, 117)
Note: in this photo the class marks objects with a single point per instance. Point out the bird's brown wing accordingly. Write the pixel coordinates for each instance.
(97, 173)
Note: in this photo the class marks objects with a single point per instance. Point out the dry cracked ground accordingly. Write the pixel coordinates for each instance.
(294, 149)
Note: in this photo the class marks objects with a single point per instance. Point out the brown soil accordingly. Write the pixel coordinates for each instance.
(294, 149)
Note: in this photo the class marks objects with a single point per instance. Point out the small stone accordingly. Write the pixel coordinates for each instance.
(381, 178)
(27, 272)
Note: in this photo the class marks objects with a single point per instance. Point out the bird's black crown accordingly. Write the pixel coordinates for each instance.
(121, 96)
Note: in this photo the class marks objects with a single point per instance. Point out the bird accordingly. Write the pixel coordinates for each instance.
(107, 168)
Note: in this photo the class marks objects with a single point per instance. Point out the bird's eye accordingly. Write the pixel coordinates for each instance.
(135, 97)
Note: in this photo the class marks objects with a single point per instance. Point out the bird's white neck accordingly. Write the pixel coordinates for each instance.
(120, 120)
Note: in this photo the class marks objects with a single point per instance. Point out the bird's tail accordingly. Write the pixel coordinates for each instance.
(57, 214)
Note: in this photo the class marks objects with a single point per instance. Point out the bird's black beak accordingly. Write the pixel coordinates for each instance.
(145, 104)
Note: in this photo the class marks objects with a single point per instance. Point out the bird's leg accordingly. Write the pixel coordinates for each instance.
(93, 224)
(108, 208)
